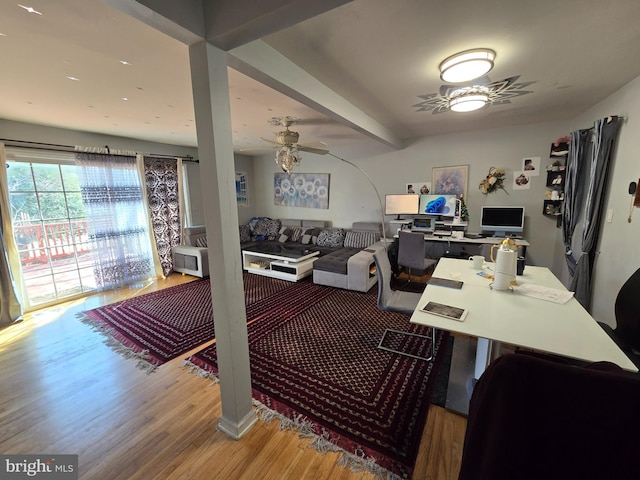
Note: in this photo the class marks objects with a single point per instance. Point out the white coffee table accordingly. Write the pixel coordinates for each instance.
(279, 261)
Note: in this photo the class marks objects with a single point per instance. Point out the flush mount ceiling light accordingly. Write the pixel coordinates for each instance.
(467, 65)
(500, 92)
(468, 99)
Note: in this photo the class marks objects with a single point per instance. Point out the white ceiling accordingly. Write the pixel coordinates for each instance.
(379, 55)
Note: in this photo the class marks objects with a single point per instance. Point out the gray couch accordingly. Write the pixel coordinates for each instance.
(351, 266)
(345, 255)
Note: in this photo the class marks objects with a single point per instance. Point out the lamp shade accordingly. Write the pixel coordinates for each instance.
(465, 66)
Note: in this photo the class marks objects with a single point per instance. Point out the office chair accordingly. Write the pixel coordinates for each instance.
(395, 300)
(411, 252)
(627, 310)
(533, 418)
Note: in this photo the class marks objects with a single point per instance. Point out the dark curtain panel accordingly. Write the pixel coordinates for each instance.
(605, 133)
(574, 190)
(161, 179)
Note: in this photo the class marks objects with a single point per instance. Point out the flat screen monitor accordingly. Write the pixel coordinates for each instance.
(401, 204)
(502, 220)
(443, 205)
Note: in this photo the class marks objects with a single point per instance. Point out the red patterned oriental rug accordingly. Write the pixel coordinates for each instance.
(318, 370)
(156, 327)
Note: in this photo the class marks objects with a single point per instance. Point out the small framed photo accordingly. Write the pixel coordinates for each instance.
(521, 180)
(420, 188)
(531, 165)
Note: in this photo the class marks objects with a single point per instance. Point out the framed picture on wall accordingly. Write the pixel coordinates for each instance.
(310, 190)
(242, 197)
(450, 180)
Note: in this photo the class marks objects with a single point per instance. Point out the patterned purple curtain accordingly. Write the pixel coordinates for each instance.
(161, 179)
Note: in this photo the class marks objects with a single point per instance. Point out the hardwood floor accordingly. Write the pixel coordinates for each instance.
(64, 391)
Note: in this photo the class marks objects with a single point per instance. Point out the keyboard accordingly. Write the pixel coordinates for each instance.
(442, 233)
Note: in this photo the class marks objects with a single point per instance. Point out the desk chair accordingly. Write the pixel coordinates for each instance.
(532, 418)
(627, 310)
(395, 301)
(411, 252)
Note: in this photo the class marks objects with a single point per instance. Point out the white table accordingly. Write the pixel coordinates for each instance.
(505, 316)
(286, 265)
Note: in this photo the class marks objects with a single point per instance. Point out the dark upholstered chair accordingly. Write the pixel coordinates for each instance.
(627, 310)
(534, 418)
(395, 301)
(411, 253)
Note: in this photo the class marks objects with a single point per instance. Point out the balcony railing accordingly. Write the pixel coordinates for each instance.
(62, 240)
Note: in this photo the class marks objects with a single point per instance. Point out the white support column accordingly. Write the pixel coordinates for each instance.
(215, 151)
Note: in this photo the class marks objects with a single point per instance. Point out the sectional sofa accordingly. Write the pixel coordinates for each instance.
(345, 255)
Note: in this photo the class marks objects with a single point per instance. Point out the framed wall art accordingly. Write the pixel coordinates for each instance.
(242, 197)
(450, 180)
(310, 190)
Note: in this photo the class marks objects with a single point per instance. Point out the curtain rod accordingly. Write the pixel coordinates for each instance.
(71, 149)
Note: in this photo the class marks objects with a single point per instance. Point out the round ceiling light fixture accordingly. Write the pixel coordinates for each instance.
(468, 99)
(465, 66)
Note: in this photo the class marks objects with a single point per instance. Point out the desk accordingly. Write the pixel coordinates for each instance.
(436, 247)
(504, 316)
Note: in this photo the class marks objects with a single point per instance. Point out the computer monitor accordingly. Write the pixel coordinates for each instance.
(443, 205)
(401, 204)
(502, 220)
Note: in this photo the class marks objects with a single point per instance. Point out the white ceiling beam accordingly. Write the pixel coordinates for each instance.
(183, 20)
(230, 23)
(266, 65)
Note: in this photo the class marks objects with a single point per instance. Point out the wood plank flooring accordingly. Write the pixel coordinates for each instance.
(63, 391)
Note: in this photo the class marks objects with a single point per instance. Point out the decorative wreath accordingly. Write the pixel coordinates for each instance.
(493, 181)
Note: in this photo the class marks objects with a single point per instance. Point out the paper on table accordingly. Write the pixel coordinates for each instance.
(544, 293)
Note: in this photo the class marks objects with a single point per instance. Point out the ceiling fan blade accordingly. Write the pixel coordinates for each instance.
(320, 145)
(318, 151)
(269, 141)
(255, 149)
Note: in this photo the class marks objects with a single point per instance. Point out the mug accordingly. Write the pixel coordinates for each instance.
(477, 261)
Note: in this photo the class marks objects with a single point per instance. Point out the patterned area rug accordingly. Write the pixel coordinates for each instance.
(317, 368)
(159, 326)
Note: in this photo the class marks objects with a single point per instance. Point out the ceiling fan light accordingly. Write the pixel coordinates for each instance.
(465, 66)
(468, 103)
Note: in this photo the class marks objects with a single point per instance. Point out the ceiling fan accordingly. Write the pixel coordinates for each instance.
(287, 146)
(289, 138)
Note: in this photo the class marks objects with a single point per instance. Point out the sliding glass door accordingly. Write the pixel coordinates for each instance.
(49, 225)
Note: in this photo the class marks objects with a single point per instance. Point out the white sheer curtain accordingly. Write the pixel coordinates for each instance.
(117, 220)
(10, 279)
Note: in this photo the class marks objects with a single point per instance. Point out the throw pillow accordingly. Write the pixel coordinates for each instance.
(284, 233)
(360, 239)
(296, 234)
(310, 236)
(331, 237)
(201, 242)
(245, 234)
(266, 229)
